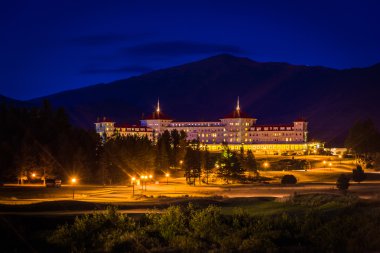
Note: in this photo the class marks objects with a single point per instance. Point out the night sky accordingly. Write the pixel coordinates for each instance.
(51, 46)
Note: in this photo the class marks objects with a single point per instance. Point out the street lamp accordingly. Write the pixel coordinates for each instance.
(133, 186)
(330, 164)
(167, 178)
(266, 164)
(324, 163)
(33, 175)
(73, 182)
(142, 182)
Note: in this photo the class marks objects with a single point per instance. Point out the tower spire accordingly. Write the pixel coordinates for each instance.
(238, 104)
(158, 105)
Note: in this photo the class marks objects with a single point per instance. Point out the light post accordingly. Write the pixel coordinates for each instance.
(167, 178)
(73, 182)
(133, 186)
(142, 182)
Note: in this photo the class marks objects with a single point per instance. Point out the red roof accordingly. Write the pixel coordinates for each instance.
(104, 119)
(128, 126)
(157, 115)
(237, 114)
(300, 120)
(274, 125)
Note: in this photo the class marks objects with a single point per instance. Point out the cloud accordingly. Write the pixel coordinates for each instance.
(126, 69)
(106, 39)
(179, 48)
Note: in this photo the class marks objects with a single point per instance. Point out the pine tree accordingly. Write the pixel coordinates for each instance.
(208, 164)
(250, 162)
(229, 166)
(193, 162)
(343, 182)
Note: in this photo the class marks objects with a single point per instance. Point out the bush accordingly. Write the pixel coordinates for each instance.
(98, 231)
(187, 229)
(288, 179)
(358, 174)
(343, 182)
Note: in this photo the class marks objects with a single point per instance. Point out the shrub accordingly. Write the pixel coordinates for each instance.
(343, 182)
(358, 174)
(98, 231)
(288, 179)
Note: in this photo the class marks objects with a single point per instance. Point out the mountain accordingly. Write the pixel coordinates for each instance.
(331, 100)
(13, 102)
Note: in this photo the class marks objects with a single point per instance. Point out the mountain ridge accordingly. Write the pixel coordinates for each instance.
(332, 100)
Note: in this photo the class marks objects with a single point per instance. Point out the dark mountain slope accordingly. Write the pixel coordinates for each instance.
(205, 90)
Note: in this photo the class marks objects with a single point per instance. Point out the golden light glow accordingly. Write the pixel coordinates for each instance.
(181, 162)
(330, 164)
(73, 180)
(167, 174)
(33, 174)
(133, 179)
(150, 176)
(266, 164)
(324, 162)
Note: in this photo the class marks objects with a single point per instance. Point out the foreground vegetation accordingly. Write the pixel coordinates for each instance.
(320, 223)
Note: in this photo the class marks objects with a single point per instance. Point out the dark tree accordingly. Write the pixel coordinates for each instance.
(163, 152)
(358, 174)
(192, 162)
(208, 164)
(250, 162)
(343, 182)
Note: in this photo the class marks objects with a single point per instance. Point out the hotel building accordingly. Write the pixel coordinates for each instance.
(237, 129)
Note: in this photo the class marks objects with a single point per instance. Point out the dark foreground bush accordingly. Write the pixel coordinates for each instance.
(288, 179)
(187, 229)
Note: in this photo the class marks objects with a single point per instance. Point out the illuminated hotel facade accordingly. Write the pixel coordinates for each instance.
(238, 129)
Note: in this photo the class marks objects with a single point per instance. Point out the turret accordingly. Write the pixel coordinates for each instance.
(157, 120)
(237, 125)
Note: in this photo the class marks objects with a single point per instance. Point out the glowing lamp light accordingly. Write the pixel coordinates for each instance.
(330, 164)
(133, 179)
(266, 165)
(167, 175)
(34, 175)
(73, 180)
(324, 162)
(150, 176)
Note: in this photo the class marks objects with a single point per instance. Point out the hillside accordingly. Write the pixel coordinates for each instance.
(332, 100)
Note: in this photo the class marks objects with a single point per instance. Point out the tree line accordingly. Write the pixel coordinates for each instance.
(42, 142)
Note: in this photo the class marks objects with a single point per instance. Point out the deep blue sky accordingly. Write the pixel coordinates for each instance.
(51, 46)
